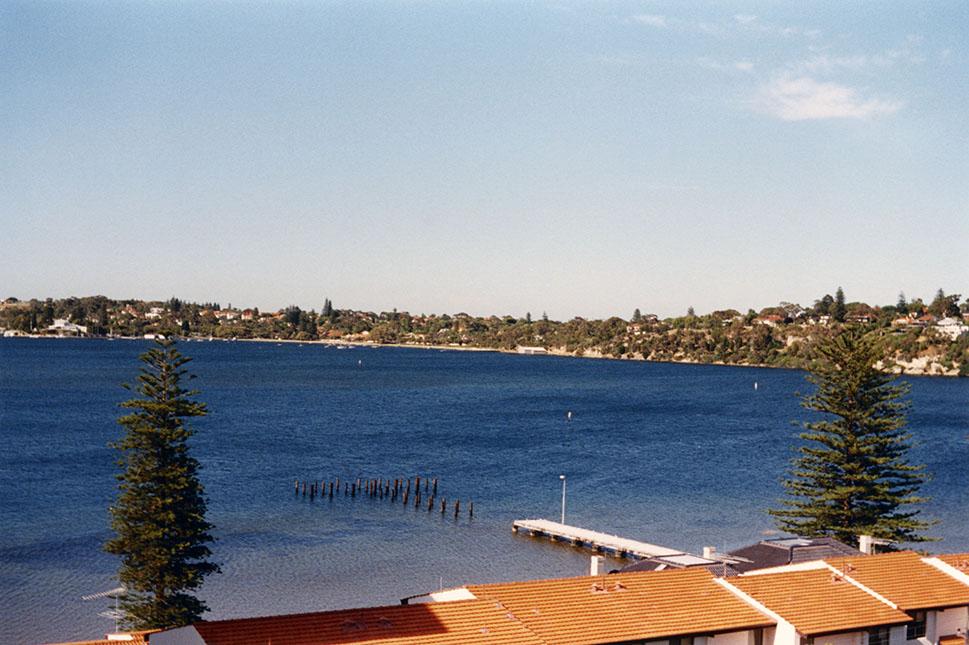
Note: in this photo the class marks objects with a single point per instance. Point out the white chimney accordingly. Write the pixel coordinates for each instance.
(710, 552)
(595, 565)
(866, 544)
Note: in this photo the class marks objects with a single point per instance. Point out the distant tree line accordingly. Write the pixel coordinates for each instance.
(782, 335)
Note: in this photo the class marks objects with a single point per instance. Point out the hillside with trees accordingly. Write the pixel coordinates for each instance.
(922, 338)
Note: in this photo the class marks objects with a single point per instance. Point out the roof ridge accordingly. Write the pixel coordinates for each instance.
(682, 571)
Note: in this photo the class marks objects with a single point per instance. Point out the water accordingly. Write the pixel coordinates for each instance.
(679, 455)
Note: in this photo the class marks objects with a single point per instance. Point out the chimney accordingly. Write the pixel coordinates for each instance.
(595, 565)
(866, 544)
(710, 552)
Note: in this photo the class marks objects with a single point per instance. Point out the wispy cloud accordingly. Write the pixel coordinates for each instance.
(824, 63)
(652, 20)
(711, 63)
(803, 98)
(747, 22)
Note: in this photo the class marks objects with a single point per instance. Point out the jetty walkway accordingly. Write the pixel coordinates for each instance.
(595, 540)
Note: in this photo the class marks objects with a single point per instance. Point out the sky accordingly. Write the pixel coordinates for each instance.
(579, 159)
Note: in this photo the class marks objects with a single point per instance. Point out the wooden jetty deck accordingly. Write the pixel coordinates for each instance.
(593, 539)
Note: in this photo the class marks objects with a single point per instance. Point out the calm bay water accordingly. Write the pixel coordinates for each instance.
(679, 455)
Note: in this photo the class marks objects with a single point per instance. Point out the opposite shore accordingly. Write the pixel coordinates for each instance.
(917, 338)
(915, 368)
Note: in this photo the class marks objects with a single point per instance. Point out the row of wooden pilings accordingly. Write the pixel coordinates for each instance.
(392, 490)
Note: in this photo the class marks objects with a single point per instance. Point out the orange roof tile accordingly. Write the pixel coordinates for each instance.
(953, 639)
(817, 601)
(626, 606)
(958, 561)
(468, 622)
(905, 580)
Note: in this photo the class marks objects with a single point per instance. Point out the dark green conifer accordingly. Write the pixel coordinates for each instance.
(902, 305)
(839, 309)
(853, 478)
(161, 533)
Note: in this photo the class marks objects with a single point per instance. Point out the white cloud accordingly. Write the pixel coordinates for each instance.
(743, 65)
(652, 20)
(803, 98)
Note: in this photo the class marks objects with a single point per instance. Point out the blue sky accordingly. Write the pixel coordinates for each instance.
(575, 158)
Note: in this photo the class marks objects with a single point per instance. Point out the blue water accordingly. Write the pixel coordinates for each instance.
(679, 455)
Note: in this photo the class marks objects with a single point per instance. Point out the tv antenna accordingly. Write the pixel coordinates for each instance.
(115, 614)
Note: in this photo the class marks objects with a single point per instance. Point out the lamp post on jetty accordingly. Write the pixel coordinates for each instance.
(562, 477)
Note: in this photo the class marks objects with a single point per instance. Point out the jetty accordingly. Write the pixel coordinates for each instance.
(594, 540)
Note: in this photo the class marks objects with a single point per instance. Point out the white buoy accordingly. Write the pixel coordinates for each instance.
(755, 385)
(568, 415)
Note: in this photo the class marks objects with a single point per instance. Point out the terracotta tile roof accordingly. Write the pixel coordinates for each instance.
(818, 601)
(446, 623)
(905, 580)
(953, 639)
(958, 561)
(624, 606)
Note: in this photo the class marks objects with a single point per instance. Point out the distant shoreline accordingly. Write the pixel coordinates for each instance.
(459, 348)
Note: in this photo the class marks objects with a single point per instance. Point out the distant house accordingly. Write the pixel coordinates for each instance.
(951, 327)
(862, 317)
(64, 327)
(248, 314)
(531, 351)
(155, 313)
(771, 320)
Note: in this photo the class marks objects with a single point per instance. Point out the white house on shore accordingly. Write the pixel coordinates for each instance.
(64, 327)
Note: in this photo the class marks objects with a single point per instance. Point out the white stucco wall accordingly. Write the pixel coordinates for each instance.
(950, 621)
(784, 634)
(897, 635)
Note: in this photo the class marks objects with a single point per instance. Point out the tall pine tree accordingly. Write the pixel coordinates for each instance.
(161, 533)
(853, 478)
(839, 310)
